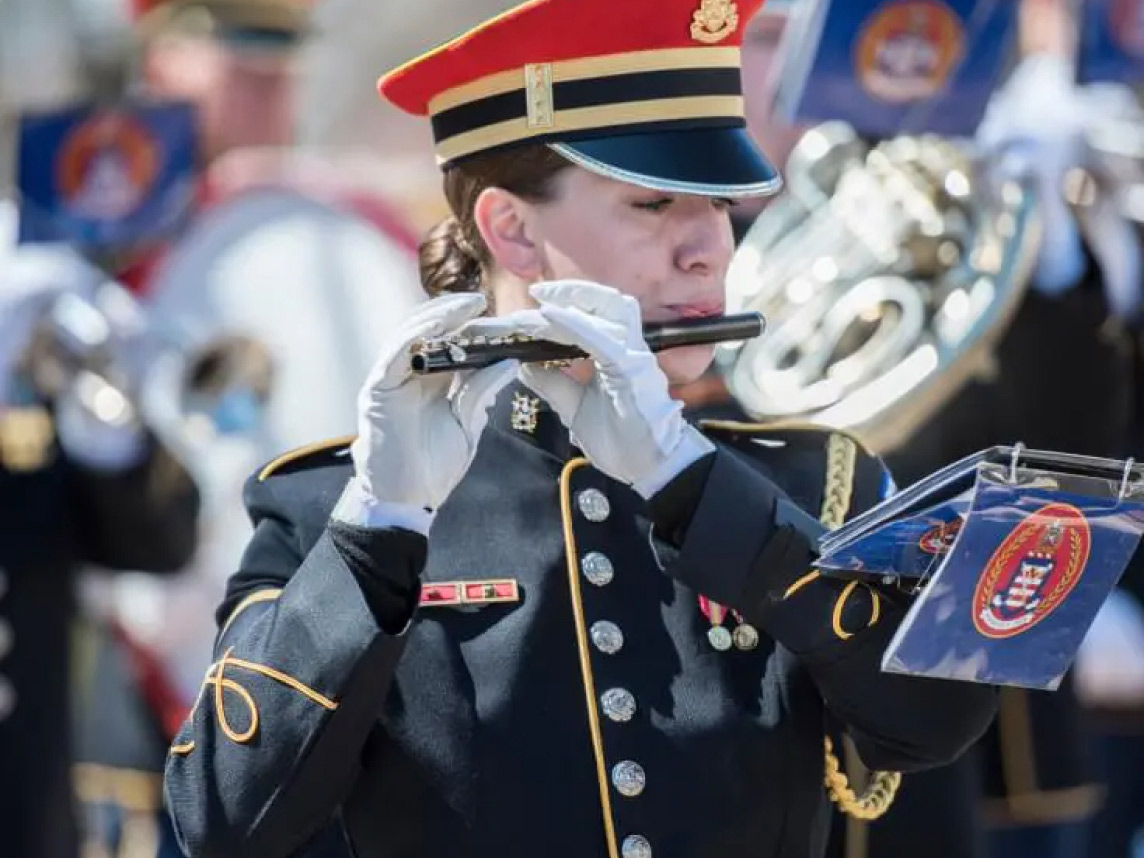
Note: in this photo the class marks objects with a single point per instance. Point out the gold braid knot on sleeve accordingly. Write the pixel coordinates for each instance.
(883, 786)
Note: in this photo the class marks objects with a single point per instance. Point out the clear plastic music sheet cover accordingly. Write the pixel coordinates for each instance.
(902, 535)
(1008, 592)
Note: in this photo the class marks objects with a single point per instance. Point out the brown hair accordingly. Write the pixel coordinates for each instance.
(453, 256)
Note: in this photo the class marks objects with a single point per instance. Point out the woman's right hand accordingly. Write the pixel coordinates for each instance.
(418, 434)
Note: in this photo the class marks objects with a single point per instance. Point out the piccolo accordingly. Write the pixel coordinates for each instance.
(452, 354)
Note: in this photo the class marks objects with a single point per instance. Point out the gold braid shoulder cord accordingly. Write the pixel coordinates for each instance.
(876, 800)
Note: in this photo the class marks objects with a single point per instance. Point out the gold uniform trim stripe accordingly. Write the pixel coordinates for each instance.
(583, 68)
(254, 598)
(609, 116)
(746, 428)
(301, 452)
(812, 575)
(216, 676)
(570, 555)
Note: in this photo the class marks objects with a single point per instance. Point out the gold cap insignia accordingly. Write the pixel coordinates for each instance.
(714, 21)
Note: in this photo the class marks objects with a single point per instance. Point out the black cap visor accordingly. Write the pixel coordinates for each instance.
(711, 162)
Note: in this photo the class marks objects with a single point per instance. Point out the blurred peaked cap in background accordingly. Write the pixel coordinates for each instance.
(643, 91)
(267, 21)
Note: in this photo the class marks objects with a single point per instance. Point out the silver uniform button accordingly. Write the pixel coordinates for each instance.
(7, 698)
(628, 778)
(635, 846)
(607, 637)
(593, 505)
(597, 568)
(618, 704)
(6, 638)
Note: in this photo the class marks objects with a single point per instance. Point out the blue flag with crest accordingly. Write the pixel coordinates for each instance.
(1009, 562)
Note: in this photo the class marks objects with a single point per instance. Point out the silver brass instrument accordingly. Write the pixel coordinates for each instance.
(107, 349)
(885, 273)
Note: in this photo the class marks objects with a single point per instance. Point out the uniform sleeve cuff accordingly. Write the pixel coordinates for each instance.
(691, 448)
(360, 509)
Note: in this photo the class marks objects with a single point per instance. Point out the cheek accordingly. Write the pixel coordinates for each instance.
(605, 251)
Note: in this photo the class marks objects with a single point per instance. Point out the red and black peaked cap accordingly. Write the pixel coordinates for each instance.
(644, 91)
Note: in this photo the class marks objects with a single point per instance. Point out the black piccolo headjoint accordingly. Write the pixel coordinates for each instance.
(450, 355)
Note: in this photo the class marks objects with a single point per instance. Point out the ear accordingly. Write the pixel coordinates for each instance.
(505, 223)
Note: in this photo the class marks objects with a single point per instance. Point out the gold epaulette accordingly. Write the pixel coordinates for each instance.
(779, 427)
(299, 454)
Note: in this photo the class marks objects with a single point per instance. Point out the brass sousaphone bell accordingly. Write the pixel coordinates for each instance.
(886, 273)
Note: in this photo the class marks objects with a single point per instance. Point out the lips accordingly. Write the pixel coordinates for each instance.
(697, 310)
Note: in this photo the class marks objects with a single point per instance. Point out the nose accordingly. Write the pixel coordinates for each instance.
(705, 242)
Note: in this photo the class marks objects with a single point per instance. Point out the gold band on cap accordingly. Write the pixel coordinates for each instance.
(609, 116)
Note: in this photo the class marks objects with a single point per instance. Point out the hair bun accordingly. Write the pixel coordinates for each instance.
(447, 260)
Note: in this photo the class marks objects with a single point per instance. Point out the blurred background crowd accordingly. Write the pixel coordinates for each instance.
(145, 375)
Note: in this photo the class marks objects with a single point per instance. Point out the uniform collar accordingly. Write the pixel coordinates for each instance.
(522, 414)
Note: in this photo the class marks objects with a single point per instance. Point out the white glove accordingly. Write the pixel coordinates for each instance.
(623, 418)
(418, 434)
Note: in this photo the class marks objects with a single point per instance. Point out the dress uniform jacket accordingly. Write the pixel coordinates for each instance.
(555, 692)
(54, 516)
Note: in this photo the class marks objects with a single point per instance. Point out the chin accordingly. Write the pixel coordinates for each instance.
(686, 365)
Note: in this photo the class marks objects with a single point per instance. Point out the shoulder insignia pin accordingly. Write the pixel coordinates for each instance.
(525, 411)
(538, 86)
(714, 21)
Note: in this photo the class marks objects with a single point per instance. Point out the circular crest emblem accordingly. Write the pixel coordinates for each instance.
(938, 540)
(906, 50)
(1126, 25)
(107, 166)
(1032, 571)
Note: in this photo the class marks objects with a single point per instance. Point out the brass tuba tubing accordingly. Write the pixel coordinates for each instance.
(447, 355)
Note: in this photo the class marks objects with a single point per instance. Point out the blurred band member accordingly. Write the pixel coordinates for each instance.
(82, 482)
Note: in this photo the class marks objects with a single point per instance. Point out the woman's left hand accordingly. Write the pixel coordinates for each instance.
(623, 417)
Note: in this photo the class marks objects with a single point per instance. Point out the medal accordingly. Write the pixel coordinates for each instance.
(745, 636)
(720, 638)
(718, 635)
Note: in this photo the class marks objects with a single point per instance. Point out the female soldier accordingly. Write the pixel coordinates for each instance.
(493, 625)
